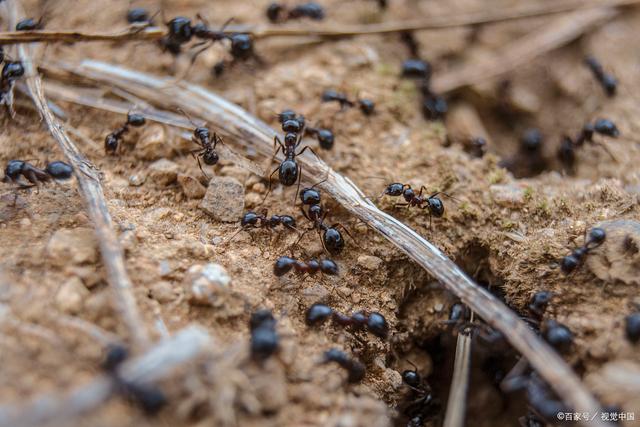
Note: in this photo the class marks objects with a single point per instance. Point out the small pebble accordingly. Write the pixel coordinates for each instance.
(137, 179)
(75, 246)
(191, 187)
(152, 144)
(71, 295)
(508, 195)
(224, 200)
(206, 282)
(369, 262)
(162, 292)
(163, 172)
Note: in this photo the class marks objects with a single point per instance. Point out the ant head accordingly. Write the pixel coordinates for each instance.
(411, 377)
(541, 299)
(29, 24)
(135, 119)
(110, 143)
(210, 157)
(138, 15)
(367, 106)
(596, 237)
(436, 206)
(241, 46)
(202, 133)
(291, 125)
(286, 115)
(180, 29)
(288, 172)
(377, 325)
(310, 196)
(329, 267)
(13, 169)
(531, 140)
(273, 11)
(12, 70)
(606, 127)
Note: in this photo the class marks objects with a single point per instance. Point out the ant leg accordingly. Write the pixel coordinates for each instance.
(269, 188)
(346, 230)
(445, 194)
(202, 170)
(310, 149)
(301, 236)
(276, 141)
(295, 197)
(305, 214)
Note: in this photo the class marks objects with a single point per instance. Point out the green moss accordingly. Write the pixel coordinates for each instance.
(497, 176)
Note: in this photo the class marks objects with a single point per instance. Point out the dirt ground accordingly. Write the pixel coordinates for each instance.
(508, 233)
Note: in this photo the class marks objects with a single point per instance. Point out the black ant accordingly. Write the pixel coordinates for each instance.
(374, 322)
(542, 401)
(277, 12)
(367, 106)
(30, 24)
(356, 370)
(332, 240)
(264, 338)
(139, 15)
(11, 71)
(539, 302)
(289, 170)
(422, 405)
(608, 82)
(57, 170)
(596, 237)
(434, 107)
(260, 220)
(459, 314)
(632, 327)
(324, 136)
(416, 69)
(432, 203)
(112, 141)
(207, 151)
(558, 336)
(285, 264)
(151, 399)
(566, 150)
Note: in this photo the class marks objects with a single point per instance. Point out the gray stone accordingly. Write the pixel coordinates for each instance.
(224, 199)
(73, 246)
(163, 172)
(191, 187)
(207, 284)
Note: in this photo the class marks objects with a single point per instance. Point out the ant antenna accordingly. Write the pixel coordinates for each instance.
(188, 117)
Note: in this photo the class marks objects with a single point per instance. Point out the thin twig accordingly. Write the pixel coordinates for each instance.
(457, 403)
(247, 131)
(157, 363)
(263, 32)
(552, 35)
(91, 190)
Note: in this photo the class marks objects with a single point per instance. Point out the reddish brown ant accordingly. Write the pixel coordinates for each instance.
(112, 141)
